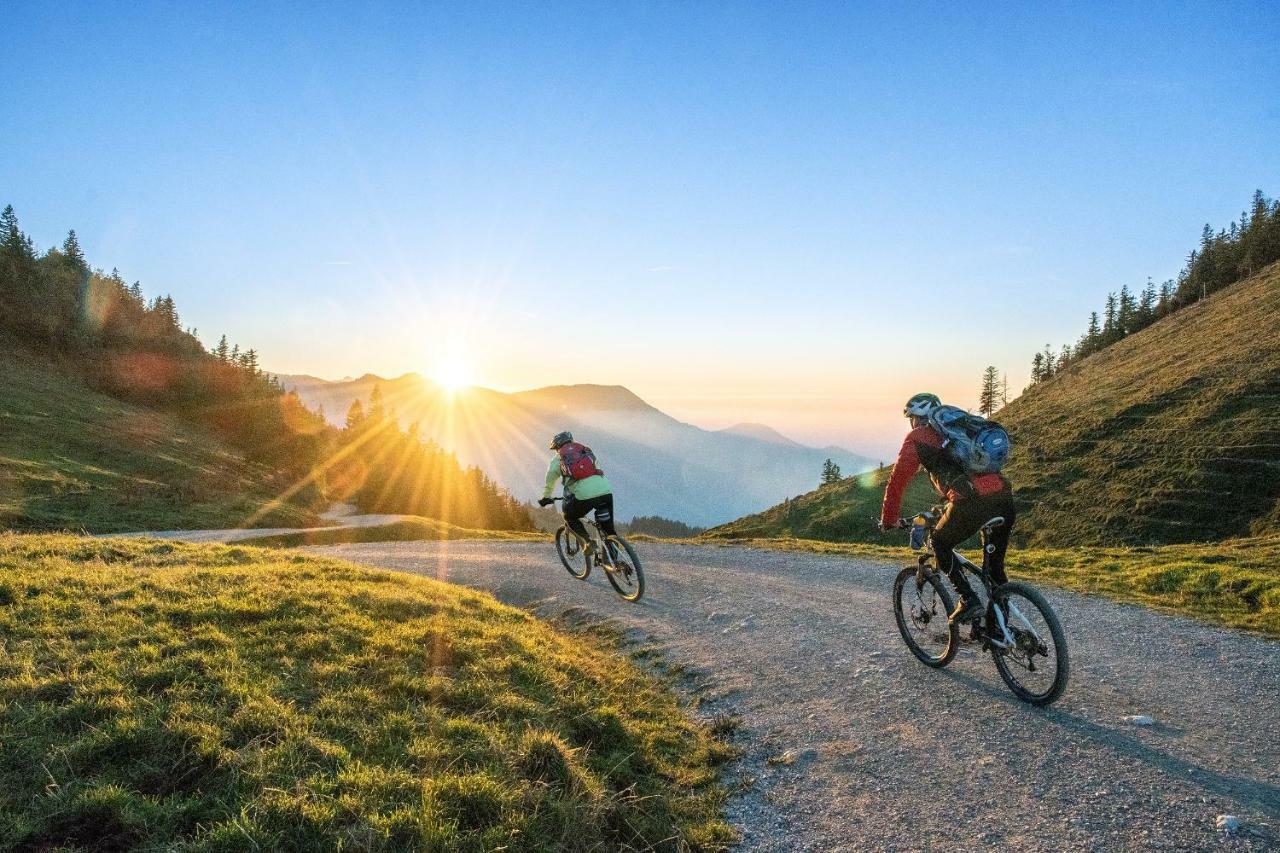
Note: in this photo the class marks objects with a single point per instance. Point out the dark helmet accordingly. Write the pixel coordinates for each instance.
(561, 439)
(921, 405)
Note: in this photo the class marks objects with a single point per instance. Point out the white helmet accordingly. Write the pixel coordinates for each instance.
(921, 405)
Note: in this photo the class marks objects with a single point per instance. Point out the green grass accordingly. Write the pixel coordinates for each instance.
(1171, 435)
(71, 458)
(163, 695)
(406, 530)
(846, 511)
(1234, 583)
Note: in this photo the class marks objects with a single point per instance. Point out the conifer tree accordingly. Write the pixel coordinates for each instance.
(989, 395)
(10, 235)
(830, 472)
(1146, 313)
(169, 311)
(1092, 336)
(221, 351)
(1037, 368)
(377, 411)
(355, 415)
(71, 249)
(1165, 304)
(1125, 312)
(1110, 324)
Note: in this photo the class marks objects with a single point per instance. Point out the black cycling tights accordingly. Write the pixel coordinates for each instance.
(962, 519)
(575, 509)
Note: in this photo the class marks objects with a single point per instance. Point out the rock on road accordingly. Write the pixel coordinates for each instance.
(851, 744)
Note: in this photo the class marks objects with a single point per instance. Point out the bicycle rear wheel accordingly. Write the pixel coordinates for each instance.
(627, 575)
(1036, 668)
(921, 610)
(571, 556)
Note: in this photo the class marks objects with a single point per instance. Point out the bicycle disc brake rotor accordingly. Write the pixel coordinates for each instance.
(922, 613)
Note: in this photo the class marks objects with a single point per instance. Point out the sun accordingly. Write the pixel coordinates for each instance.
(453, 374)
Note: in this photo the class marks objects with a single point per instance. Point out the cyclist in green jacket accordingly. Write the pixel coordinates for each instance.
(585, 487)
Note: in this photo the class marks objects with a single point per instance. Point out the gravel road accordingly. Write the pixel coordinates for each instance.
(853, 745)
(339, 515)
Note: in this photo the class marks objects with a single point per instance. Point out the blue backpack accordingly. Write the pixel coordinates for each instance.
(980, 445)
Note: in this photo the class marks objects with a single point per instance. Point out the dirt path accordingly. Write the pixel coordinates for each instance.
(339, 515)
(888, 755)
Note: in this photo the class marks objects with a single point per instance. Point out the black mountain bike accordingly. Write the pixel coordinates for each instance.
(612, 553)
(1018, 626)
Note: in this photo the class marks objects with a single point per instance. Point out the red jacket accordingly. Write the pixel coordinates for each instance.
(923, 446)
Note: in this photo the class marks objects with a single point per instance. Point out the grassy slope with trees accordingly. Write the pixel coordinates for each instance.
(97, 337)
(842, 511)
(71, 457)
(168, 695)
(1170, 435)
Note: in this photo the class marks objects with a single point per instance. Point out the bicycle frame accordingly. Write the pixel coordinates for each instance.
(1006, 639)
(604, 552)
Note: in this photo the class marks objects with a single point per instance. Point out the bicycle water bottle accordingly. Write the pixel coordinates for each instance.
(918, 531)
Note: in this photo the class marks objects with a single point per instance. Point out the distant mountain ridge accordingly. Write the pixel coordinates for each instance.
(658, 465)
(763, 432)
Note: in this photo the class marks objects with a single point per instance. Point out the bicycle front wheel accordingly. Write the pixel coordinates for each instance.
(627, 575)
(921, 608)
(571, 556)
(1035, 667)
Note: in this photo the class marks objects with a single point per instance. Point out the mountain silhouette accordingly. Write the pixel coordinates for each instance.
(658, 465)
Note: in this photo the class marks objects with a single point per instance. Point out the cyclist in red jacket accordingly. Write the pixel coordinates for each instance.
(972, 500)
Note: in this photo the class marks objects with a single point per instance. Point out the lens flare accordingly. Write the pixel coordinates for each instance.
(453, 374)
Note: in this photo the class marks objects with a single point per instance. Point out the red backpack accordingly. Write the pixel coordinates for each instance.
(577, 462)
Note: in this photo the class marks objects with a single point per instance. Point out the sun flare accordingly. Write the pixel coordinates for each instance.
(453, 374)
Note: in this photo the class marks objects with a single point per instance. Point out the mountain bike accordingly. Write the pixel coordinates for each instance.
(1018, 626)
(614, 554)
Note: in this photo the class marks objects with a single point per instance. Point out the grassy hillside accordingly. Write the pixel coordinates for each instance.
(1171, 435)
(74, 458)
(159, 695)
(840, 512)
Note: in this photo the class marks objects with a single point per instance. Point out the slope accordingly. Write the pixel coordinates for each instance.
(204, 697)
(839, 512)
(73, 458)
(1171, 435)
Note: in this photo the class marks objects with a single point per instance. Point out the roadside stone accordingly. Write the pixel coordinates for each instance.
(1140, 720)
(1228, 823)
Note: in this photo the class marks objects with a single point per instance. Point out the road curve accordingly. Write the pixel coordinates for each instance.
(339, 515)
(886, 754)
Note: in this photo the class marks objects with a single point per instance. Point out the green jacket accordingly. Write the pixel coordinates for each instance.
(591, 487)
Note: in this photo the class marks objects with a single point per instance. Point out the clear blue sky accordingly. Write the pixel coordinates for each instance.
(795, 213)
